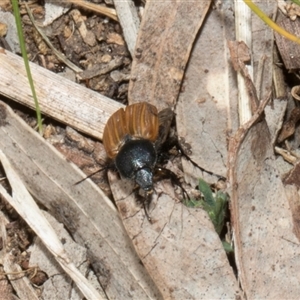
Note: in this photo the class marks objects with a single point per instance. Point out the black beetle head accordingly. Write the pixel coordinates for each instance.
(136, 160)
(144, 179)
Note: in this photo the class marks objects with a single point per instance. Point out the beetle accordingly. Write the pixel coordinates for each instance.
(132, 137)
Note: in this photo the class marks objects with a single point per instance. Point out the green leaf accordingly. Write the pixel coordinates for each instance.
(207, 193)
(214, 206)
(227, 247)
(220, 211)
(193, 203)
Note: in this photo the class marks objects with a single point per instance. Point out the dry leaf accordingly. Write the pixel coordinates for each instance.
(165, 39)
(289, 50)
(206, 112)
(179, 247)
(83, 209)
(261, 218)
(289, 126)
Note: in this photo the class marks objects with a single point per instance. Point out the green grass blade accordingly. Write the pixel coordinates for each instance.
(26, 62)
(296, 2)
(270, 23)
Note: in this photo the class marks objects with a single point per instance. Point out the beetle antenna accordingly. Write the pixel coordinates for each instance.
(92, 174)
